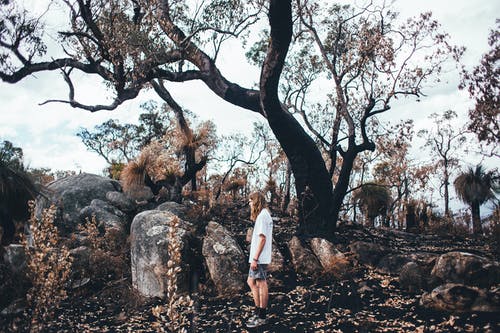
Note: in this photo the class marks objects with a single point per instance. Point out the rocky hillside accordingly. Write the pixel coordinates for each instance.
(359, 280)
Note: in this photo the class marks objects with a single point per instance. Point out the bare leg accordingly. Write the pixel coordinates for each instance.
(255, 290)
(263, 293)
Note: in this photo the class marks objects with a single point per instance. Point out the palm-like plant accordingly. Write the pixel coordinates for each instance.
(475, 187)
(373, 200)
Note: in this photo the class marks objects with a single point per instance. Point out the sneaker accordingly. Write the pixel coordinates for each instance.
(253, 318)
(256, 322)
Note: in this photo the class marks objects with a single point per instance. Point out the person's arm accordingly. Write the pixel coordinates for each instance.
(258, 251)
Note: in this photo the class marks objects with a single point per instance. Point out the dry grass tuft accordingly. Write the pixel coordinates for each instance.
(133, 174)
(154, 161)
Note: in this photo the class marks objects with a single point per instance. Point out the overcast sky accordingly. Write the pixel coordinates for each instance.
(47, 133)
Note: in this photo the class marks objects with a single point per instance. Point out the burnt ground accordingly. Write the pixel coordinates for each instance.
(366, 301)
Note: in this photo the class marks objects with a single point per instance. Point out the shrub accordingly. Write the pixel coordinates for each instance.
(108, 259)
(444, 225)
(49, 267)
(494, 230)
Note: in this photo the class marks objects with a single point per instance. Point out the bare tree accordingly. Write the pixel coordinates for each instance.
(484, 87)
(133, 45)
(445, 141)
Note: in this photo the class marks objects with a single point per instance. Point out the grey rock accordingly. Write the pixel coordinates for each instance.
(411, 277)
(368, 253)
(149, 252)
(454, 297)
(121, 201)
(14, 308)
(174, 207)
(72, 194)
(15, 282)
(304, 261)
(140, 194)
(105, 214)
(392, 263)
(277, 261)
(80, 266)
(15, 257)
(225, 260)
(466, 268)
(332, 260)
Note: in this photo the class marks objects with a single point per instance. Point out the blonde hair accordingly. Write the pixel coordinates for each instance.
(259, 203)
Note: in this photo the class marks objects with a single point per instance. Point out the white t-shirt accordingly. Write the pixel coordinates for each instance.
(263, 226)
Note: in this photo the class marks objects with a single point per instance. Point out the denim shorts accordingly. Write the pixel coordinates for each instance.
(260, 273)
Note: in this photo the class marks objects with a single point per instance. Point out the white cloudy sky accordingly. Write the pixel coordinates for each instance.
(47, 133)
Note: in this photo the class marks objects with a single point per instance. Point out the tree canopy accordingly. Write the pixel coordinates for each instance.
(361, 57)
(483, 85)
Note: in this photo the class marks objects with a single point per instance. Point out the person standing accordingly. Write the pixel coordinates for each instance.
(260, 257)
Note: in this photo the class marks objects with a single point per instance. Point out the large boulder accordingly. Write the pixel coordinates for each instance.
(176, 208)
(466, 268)
(277, 261)
(454, 297)
(140, 195)
(368, 253)
(304, 261)
(72, 194)
(331, 259)
(392, 263)
(121, 201)
(14, 257)
(106, 215)
(411, 277)
(80, 265)
(225, 260)
(149, 251)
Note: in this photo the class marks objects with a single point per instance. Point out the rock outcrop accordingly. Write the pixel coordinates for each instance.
(331, 259)
(72, 194)
(454, 297)
(368, 253)
(224, 259)
(466, 268)
(149, 251)
(304, 261)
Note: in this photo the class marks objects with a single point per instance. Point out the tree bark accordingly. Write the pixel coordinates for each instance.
(446, 183)
(286, 197)
(191, 167)
(342, 184)
(477, 228)
(312, 181)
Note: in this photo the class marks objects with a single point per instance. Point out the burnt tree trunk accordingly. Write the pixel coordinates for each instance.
(342, 183)
(446, 183)
(191, 166)
(286, 190)
(477, 228)
(312, 181)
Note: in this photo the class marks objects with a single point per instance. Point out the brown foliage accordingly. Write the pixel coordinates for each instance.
(49, 267)
(108, 259)
(445, 225)
(484, 87)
